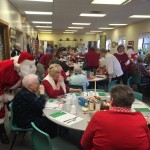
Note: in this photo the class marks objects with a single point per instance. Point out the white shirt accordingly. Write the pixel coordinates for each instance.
(129, 52)
(113, 66)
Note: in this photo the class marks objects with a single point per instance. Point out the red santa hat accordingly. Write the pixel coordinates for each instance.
(25, 56)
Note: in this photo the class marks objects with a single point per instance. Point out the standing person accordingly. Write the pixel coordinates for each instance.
(118, 128)
(113, 66)
(17, 50)
(27, 107)
(92, 59)
(124, 62)
(11, 73)
(49, 48)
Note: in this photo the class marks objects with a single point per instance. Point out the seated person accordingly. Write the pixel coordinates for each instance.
(54, 82)
(117, 128)
(139, 68)
(78, 78)
(27, 107)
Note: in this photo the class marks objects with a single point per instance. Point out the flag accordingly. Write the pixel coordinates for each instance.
(37, 45)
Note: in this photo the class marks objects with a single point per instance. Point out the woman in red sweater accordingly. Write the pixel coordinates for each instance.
(54, 82)
(118, 128)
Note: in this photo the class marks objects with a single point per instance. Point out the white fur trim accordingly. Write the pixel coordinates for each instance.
(9, 97)
(1, 120)
(1, 97)
(128, 62)
(52, 82)
(28, 62)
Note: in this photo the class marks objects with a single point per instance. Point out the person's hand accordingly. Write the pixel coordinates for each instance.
(60, 79)
(78, 90)
(41, 89)
(148, 121)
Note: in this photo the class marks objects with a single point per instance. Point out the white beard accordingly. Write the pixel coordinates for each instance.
(27, 69)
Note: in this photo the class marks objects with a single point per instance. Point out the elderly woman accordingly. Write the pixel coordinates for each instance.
(118, 128)
(78, 78)
(54, 82)
(27, 107)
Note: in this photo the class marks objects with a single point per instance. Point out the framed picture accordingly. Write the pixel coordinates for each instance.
(113, 44)
(131, 43)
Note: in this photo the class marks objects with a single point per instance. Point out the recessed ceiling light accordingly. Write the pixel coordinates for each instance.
(117, 24)
(42, 22)
(92, 15)
(39, 0)
(96, 31)
(75, 27)
(103, 28)
(44, 26)
(140, 16)
(108, 2)
(71, 30)
(89, 33)
(81, 24)
(38, 13)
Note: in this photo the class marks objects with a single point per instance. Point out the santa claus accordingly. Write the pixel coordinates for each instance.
(11, 73)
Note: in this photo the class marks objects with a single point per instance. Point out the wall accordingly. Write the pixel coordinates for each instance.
(131, 32)
(57, 37)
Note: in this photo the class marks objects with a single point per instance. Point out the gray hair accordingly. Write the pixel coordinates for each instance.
(140, 59)
(77, 69)
(17, 45)
(122, 95)
(29, 80)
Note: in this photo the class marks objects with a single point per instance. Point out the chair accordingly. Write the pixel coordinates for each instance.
(111, 84)
(130, 82)
(42, 141)
(138, 96)
(75, 86)
(97, 90)
(14, 128)
(136, 79)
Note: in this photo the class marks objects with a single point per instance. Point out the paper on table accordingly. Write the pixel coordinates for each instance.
(64, 116)
(53, 104)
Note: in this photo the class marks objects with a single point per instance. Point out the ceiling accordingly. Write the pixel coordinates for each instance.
(66, 12)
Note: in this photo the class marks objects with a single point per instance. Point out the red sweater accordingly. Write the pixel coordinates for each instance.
(123, 58)
(51, 92)
(92, 58)
(45, 60)
(109, 130)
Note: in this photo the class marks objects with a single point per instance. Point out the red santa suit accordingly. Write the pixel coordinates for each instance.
(10, 79)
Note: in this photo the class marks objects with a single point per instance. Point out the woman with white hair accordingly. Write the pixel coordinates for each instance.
(78, 78)
(27, 107)
(54, 82)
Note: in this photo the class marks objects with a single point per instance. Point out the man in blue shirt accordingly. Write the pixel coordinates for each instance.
(49, 48)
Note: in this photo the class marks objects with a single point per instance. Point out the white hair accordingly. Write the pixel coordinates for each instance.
(77, 69)
(29, 80)
(17, 45)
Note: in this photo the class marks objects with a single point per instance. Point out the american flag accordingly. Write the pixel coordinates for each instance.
(37, 45)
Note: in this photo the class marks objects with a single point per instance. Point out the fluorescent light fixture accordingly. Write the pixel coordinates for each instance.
(139, 16)
(92, 15)
(38, 13)
(89, 33)
(85, 24)
(71, 30)
(103, 28)
(45, 32)
(96, 31)
(75, 27)
(50, 1)
(108, 2)
(44, 26)
(117, 24)
(42, 22)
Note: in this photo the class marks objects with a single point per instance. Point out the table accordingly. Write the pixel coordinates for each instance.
(81, 125)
